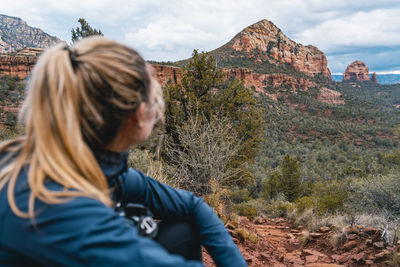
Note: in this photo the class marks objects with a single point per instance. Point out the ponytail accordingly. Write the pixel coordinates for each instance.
(77, 98)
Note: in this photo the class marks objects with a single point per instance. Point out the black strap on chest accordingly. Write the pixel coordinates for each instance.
(137, 214)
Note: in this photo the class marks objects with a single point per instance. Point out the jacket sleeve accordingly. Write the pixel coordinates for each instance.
(84, 232)
(168, 203)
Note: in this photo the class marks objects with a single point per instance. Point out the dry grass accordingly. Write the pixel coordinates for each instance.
(394, 259)
(304, 237)
(312, 222)
(339, 238)
(143, 161)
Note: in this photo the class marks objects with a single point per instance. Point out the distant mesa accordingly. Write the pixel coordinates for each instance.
(264, 42)
(358, 71)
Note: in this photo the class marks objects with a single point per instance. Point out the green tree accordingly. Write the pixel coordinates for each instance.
(272, 186)
(291, 183)
(204, 92)
(83, 31)
(287, 181)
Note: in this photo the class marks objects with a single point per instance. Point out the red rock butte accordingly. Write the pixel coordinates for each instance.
(265, 37)
(358, 71)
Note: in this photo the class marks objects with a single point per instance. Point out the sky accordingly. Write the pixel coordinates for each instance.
(162, 30)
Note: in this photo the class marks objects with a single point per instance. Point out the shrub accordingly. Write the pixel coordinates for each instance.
(206, 150)
(278, 208)
(240, 195)
(11, 119)
(246, 209)
(217, 199)
(253, 238)
(304, 203)
(7, 133)
(375, 195)
(242, 233)
(330, 196)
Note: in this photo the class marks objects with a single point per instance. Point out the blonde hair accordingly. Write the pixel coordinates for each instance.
(77, 99)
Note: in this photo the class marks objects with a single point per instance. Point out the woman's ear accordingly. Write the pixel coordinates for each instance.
(137, 118)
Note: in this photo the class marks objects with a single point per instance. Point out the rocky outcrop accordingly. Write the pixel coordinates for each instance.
(264, 38)
(356, 71)
(16, 34)
(165, 74)
(260, 81)
(20, 66)
(172, 74)
(23, 65)
(374, 78)
(330, 96)
(30, 51)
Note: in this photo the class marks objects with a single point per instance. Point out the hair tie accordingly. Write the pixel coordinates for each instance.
(72, 55)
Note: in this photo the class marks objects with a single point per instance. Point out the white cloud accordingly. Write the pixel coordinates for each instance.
(170, 30)
(360, 29)
(161, 36)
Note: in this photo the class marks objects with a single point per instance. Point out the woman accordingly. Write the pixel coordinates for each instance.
(59, 183)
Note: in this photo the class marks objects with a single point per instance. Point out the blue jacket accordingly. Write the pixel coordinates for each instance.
(85, 232)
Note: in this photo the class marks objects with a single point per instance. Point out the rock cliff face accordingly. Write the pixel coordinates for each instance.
(250, 79)
(266, 42)
(23, 65)
(16, 34)
(165, 74)
(20, 66)
(356, 71)
(259, 81)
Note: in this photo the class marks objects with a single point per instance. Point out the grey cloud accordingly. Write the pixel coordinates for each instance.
(340, 28)
(376, 59)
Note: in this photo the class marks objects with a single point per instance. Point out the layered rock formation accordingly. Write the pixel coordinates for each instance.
(165, 74)
(20, 66)
(16, 34)
(356, 71)
(30, 51)
(266, 42)
(172, 74)
(259, 81)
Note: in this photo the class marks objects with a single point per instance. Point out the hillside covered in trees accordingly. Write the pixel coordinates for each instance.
(251, 154)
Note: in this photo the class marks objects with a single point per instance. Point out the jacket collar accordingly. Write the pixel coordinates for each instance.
(111, 163)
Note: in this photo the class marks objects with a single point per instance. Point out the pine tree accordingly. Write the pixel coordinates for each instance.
(205, 91)
(83, 31)
(290, 183)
